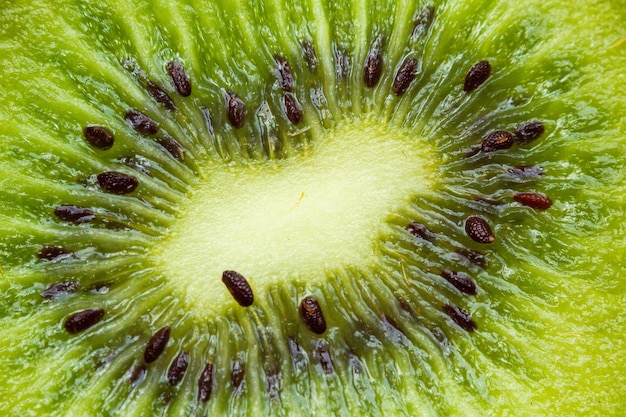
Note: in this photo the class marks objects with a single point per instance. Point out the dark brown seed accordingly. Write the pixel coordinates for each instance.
(478, 229)
(534, 200)
(238, 287)
(421, 231)
(292, 108)
(529, 131)
(138, 374)
(179, 78)
(205, 383)
(312, 316)
(141, 123)
(83, 320)
(237, 374)
(460, 281)
(161, 96)
(476, 76)
(117, 182)
(236, 110)
(310, 57)
(172, 147)
(99, 137)
(474, 257)
(156, 344)
(53, 253)
(323, 356)
(60, 289)
(74, 214)
(178, 368)
(283, 73)
(405, 76)
(373, 67)
(499, 139)
(460, 317)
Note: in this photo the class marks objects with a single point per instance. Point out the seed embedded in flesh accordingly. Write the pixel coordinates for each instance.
(99, 137)
(405, 76)
(180, 78)
(421, 231)
(497, 140)
(373, 67)
(53, 253)
(342, 64)
(529, 131)
(172, 147)
(460, 281)
(74, 214)
(60, 289)
(310, 57)
(423, 20)
(474, 257)
(237, 374)
(323, 355)
(156, 345)
(312, 316)
(141, 123)
(533, 200)
(292, 108)
(138, 374)
(461, 317)
(161, 96)
(476, 76)
(178, 368)
(205, 383)
(238, 287)
(117, 182)
(478, 229)
(236, 110)
(82, 320)
(284, 74)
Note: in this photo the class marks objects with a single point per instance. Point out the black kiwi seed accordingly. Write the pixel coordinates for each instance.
(310, 57)
(179, 78)
(323, 355)
(236, 110)
(205, 383)
(82, 320)
(156, 344)
(237, 374)
(178, 368)
(474, 257)
(117, 182)
(312, 316)
(405, 76)
(373, 68)
(421, 231)
(99, 137)
(534, 200)
(238, 287)
(529, 131)
(74, 214)
(499, 139)
(478, 229)
(141, 123)
(461, 317)
(60, 289)
(476, 76)
(161, 96)
(292, 108)
(460, 281)
(53, 253)
(172, 147)
(284, 74)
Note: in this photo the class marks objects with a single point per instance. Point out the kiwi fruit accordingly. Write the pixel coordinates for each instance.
(312, 208)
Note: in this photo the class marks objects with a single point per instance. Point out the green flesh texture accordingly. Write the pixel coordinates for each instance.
(324, 214)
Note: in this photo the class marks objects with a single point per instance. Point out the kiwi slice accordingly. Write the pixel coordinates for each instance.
(312, 208)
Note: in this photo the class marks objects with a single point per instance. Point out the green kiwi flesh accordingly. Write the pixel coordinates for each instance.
(312, 208)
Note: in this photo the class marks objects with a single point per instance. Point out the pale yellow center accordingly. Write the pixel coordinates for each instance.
(294, 219)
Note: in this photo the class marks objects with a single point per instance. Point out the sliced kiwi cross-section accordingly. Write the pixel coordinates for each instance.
(312, 208)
